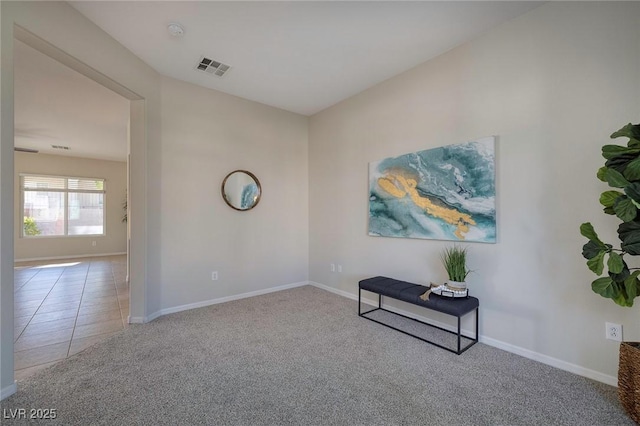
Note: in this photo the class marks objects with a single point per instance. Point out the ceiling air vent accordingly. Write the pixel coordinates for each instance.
(212, 67)
(66, 148)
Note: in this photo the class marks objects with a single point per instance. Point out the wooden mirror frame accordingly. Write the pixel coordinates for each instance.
(229, 202)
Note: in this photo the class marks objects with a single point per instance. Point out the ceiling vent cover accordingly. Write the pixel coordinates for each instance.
(66, 148)
(212, 67)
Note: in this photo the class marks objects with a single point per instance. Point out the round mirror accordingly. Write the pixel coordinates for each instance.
(241, 190)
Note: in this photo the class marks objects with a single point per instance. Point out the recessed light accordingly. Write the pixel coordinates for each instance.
(175, 30)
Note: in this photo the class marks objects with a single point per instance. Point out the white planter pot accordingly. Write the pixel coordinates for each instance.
(457, 285)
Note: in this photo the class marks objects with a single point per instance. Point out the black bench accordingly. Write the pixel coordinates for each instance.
(410, 293)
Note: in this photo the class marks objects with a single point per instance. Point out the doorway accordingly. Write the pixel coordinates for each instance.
(66, 300)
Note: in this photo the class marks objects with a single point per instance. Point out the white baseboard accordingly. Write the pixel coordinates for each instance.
(135, 320)
(144, 320)
(80, 256)
(553, 362)
(527, 353)
(8, 391)
(174, 309)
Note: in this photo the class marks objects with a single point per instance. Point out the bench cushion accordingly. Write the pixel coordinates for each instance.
(409, 292)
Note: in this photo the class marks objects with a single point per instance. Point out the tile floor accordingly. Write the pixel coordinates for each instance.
(62, 307)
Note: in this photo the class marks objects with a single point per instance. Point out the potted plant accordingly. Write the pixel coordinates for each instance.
(620, 283)
(454, 260)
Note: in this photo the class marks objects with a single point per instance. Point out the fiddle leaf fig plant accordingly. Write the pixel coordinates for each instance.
(621, 171)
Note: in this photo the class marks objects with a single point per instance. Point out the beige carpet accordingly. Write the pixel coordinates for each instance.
(303, 357)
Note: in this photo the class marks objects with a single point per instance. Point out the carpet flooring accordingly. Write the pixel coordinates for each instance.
(302, 357)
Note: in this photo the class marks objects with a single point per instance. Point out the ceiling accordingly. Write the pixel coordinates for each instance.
(55, 105)
(299, 56)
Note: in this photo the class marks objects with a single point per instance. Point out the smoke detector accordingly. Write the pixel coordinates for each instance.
(175, 29)
(212, 67)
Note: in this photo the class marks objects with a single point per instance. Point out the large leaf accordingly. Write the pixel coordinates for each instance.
(586, 229)
(615, 263)
(604, 287)
(633, 191)
(596, 264)
(608, 198)
(631, 131)
(632, 286)
(625, 209)
(612, 151)
(601, 172)
(621, 298)
(629, 233)
(621, 162)
(591, 250)
(620, 277)
(632, 171)
(615, 179)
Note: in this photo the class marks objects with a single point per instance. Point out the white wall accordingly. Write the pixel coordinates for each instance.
(180, 232)
(206, 135)
(7, 385)
(552, 84)
(67, 32)
(115, 175)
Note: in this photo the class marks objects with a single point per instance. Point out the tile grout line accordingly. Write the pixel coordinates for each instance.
(83, 295)
(39, 306)
(78, 311)
(115, 284)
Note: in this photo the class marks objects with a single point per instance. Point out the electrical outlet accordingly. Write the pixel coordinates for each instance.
(613, 331)
(339, 268)
(333, 267)
(214, 276)
(93, 243)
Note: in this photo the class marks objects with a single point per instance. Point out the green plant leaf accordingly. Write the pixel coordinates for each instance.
(620, 277)
(621, 299)
(591, 250)
(629, 233)
(615, 179)
(454, 261)
(632, 286)
(586, 229)
(621, 162)
(631, 131)
(608, 198)
(596, 264)
(625, 209)
(612, 151)
(632, 171)
(615, 263)
(621, 170)
(633, 191)
(601, 173)
(604, 287)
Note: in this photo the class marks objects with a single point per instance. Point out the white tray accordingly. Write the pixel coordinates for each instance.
(445, 291)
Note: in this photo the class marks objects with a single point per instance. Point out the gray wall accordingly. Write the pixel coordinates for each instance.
(206, 135)
(71, 37)
(180, 152)
(552, 85)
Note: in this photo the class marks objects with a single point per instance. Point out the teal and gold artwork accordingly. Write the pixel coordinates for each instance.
(444, 193)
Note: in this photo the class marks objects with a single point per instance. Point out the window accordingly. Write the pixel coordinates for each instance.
(59, 206)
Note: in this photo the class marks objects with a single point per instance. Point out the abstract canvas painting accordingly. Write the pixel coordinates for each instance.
(444, 193)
